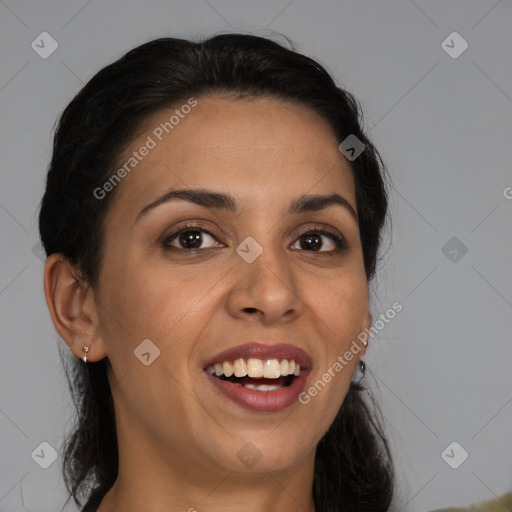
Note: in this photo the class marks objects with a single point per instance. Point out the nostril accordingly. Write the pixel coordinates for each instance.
(250, 310)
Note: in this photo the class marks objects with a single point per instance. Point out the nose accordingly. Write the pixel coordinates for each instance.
(266, 290)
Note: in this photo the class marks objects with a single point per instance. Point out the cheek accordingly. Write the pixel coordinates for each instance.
(151, 302)
(340, 307)
(339, 312)
(148, 299)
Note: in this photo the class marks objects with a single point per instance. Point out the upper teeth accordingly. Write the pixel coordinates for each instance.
(268, 368)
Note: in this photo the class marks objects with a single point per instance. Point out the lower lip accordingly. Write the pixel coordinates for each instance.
(262, 401)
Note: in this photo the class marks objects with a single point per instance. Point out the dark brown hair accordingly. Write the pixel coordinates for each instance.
(353, 469)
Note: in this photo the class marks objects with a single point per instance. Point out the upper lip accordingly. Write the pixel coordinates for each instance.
(263, 351)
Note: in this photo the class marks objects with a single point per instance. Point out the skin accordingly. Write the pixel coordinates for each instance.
(178, 437)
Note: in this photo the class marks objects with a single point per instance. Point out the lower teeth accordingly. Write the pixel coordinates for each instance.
(246, 383)
(263, 387)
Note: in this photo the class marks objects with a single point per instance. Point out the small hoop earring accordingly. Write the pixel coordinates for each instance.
(362, 366)
(85, 351)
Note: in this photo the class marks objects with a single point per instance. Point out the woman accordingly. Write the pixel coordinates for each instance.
(212, 218)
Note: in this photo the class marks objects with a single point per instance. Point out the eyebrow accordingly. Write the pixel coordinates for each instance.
(219, 201)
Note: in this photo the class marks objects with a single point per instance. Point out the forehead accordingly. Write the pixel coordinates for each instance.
(253, 147)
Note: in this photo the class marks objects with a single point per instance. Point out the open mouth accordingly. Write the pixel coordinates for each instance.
(257, 374)
(260, 384)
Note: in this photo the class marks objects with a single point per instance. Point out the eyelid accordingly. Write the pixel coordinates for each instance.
(190, 226)
(339, 240)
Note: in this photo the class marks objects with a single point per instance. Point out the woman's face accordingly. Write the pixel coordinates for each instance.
(248, 271)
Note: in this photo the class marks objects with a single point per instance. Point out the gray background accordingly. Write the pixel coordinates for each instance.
(443, 125)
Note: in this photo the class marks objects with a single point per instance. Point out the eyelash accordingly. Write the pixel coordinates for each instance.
(339, 241)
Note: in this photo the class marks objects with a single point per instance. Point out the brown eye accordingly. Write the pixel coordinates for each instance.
(192, 239)
(320, 241)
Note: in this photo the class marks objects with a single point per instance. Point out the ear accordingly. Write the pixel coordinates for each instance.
(367, 323)
(72, 308)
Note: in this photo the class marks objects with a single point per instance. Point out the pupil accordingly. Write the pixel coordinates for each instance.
(310, 241)
(191, 239)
